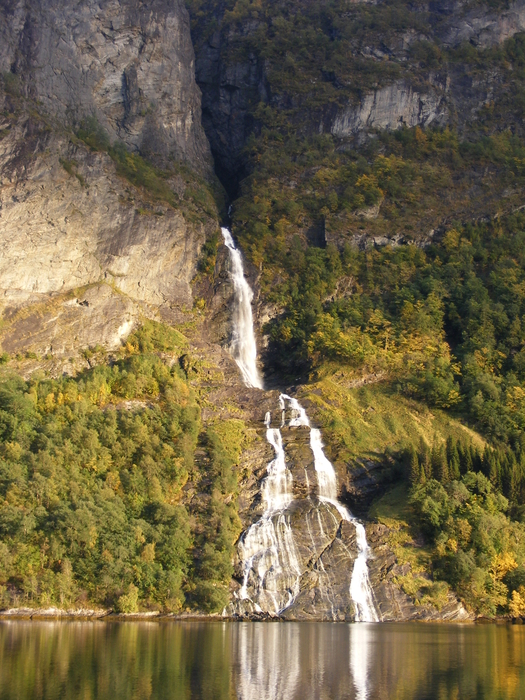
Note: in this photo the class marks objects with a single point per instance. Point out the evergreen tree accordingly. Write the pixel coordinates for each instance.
(465, 458)
(509, 464)
(453, 459)
(486, 461)
(494, 470)
(415, 468)
(475, 458)
(425, 458)
(441, 470)
(516, 481)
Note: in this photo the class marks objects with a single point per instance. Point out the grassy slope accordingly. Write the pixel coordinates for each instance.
(372, 420)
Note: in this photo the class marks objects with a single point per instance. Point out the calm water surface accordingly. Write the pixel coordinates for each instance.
(260, 661)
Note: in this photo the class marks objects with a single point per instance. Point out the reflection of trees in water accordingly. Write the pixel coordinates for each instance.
(114, 661)
(259, 661)
(435, 662)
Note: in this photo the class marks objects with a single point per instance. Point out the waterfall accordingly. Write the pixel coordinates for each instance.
(271, 566)
(267, 548)
(360, 589)
(243, 346)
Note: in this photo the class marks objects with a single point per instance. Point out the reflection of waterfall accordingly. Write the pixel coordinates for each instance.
(243, 347)
(360, 590)
(271, 566)
(305, 662)
(267, 548)
(360, 642)
(269, 659)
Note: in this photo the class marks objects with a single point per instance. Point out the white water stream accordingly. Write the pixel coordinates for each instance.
(267, 549)
(360, 589)
(243, 346)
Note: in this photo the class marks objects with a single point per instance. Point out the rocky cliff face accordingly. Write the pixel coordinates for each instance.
(390, 107)
(480, 26)
(84, 249)
(84, 252)
(130, 64)
(229, 90)
(238, 78)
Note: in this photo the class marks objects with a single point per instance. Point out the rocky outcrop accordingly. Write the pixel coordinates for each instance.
(480, 25)
(390, 108)
(323, 552)
(129, 64)
(84, 254)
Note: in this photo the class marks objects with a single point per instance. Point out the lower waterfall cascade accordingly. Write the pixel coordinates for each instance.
(268, 551)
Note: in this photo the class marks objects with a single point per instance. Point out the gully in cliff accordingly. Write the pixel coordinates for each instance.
(276, 564)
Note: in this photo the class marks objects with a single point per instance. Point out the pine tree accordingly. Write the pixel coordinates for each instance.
(435, 460)
(415, 468)
(442, 471)
(465, 458)
(425, 459)
(453, 459)
(475, 458)
(486, 461)
(509, 464)
(515, 482)
(495, 469)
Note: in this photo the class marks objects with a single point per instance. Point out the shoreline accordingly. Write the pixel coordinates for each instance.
(101, 615)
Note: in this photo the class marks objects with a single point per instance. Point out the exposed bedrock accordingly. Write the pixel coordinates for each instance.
(229, 91)
(480, 25)
(234, 83)
(130, 64)
(322, 553)
(82, 248)
(84, 254)
(390, 107)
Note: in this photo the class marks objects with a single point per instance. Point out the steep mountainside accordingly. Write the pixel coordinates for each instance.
(93, 235)
(346, 71)
(129, 64)
(374, 157)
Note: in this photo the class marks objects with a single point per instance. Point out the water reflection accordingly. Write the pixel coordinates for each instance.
(257, 661)
(360, 641)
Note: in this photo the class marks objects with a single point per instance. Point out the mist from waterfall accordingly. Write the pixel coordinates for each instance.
(271, 568)
(243, 346)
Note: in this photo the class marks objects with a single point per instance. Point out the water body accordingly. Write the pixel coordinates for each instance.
(260, 661)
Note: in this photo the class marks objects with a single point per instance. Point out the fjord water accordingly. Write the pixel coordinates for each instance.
(260, 661)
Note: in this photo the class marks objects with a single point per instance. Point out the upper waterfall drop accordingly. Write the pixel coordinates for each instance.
(243, 346)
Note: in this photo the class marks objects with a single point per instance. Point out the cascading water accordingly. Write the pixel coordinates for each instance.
(268, 551)
(243, 346)
(360, 589)
(267, 548)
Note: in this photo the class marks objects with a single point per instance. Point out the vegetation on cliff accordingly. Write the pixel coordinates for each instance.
(113, 492)
(394, 256)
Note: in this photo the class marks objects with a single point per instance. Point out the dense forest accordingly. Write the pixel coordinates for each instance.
(98, 478)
